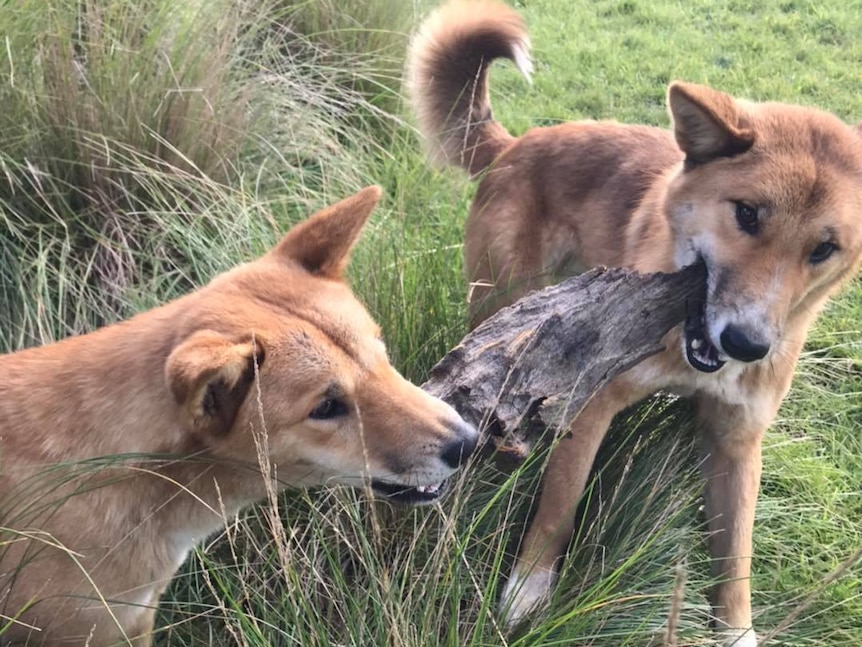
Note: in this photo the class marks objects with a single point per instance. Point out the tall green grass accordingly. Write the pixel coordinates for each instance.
(124, 122)
(146, 146)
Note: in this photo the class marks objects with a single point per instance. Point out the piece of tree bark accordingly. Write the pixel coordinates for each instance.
(535, 364)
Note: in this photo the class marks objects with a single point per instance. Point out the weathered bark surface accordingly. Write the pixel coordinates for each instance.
(536, 363)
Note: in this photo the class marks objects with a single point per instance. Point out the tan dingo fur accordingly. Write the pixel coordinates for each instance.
(276, 356)
(768, 195)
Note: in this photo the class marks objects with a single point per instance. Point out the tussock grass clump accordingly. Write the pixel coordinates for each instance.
(124, 119)
(371, 33)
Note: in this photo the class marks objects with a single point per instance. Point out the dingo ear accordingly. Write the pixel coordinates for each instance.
(707, 123)
(322, 243)
(209, 377)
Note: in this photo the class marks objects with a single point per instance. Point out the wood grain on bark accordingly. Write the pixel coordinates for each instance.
(535, 364)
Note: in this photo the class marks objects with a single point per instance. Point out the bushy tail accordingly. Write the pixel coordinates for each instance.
(447, 72)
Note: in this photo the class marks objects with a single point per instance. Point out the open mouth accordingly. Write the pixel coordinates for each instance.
(408, 494)
(699, 351)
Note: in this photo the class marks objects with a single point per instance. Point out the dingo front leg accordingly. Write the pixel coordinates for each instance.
(563, 483)
(562, 486)
(731, 469)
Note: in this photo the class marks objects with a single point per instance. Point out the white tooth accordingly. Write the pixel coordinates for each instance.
(428, 489)
(696, 343)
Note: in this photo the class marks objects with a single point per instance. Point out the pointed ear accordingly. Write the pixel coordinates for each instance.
(322, 243)
(707, 123)
(209, 377)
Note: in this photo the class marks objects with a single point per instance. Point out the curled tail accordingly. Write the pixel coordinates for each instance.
(447, 71)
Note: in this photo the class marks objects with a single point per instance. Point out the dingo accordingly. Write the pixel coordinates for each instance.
(768, 195)
(275, 354)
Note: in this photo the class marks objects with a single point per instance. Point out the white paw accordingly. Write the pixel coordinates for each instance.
(523, 593)
(738, 637)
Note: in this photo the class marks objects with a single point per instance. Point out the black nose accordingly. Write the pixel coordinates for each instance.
(455, 454)
(739, 345)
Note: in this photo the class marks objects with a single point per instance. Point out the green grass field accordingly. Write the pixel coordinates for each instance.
(140, 159)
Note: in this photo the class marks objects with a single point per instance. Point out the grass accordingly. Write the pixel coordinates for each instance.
(125, 121)
(122, 192)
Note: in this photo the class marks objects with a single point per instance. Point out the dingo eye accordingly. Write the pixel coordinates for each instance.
(822, 252)
(328, 409)
(746, 218)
